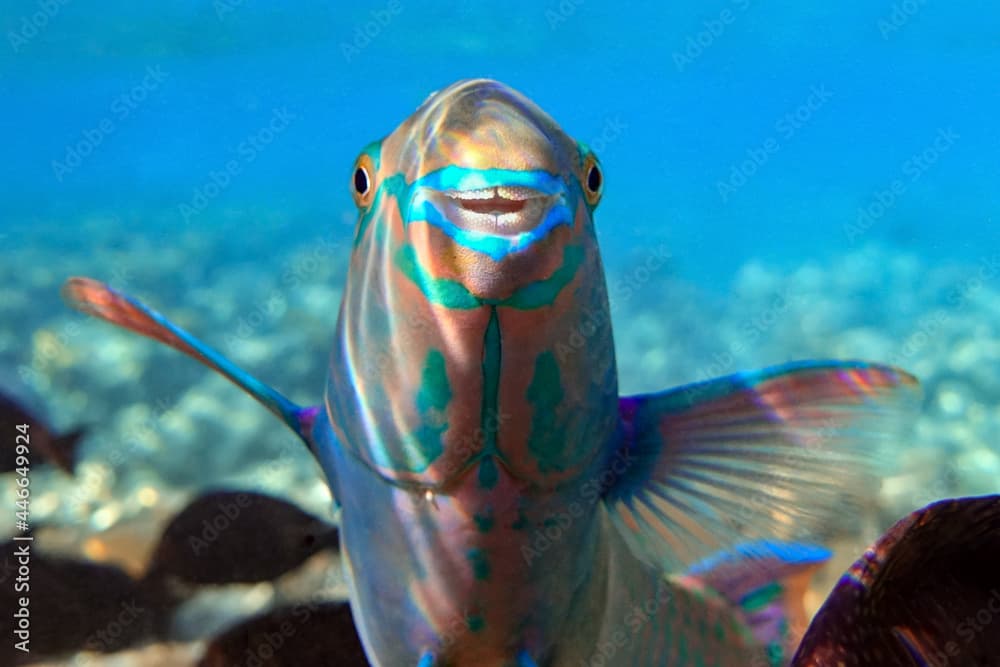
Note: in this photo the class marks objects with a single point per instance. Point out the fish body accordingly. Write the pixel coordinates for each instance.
(469, 403)
(501, 503)
(226, 537)
(462, 404)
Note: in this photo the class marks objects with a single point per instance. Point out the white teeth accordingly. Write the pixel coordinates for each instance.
(517, 193)
(484, 193)
(514, 193)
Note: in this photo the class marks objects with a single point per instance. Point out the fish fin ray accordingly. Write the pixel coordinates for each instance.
(100, 300)
(792, 444)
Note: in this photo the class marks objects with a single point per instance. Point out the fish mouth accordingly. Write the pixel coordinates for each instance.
(497, 210)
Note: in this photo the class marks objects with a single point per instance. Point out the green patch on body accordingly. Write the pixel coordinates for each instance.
(475, 622)
(484, 521)
(480, 563)
(440, 291)
(488, 473)
(544, 292)
(425, 442)
(547, 440)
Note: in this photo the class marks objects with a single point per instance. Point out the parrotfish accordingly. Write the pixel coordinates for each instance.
(500, 503)
(925, 594)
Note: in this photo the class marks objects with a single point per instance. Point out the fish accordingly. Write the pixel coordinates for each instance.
(500, 502)
(18, 407)
(221, 537)
(926, 593)
(72, 604)
(232, 536)
(306, 634)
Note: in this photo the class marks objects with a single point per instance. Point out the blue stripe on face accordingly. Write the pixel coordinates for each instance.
(461, 179)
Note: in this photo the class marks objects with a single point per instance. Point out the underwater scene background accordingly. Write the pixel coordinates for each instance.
(784, 181)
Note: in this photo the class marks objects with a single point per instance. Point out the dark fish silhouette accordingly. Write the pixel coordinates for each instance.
(302, 635)
(72, 605)
(221, 537)
(45, 445)
(926, 594)
(227, 537)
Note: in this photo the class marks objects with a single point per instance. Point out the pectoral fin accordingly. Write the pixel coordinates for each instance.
(774, 454)
(100, 300)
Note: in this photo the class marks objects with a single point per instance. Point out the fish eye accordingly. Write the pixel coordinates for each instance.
(593, 180)
(362, 182)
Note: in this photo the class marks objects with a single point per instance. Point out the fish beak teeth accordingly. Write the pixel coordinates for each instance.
(496, 210)
(512, 193)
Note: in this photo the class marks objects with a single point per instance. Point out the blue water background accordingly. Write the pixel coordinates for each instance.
(672, 108)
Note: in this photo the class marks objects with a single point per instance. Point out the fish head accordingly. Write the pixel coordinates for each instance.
(475, 256)
(489, 188)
